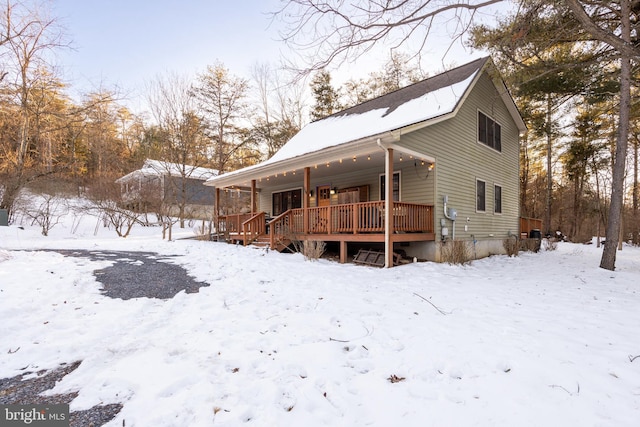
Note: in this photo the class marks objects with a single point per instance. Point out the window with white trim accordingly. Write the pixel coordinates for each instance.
(489, 132)
(497, 199)
(481, 195)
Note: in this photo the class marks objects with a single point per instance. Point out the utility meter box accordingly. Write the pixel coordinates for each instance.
(453, 214)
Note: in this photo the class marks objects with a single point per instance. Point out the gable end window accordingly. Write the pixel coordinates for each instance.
(480, 196)
(489, 132)
(497, 199)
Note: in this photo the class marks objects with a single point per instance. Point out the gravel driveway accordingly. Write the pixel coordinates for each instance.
(139, 274)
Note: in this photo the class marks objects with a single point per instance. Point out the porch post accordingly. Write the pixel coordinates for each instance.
(343, 251)
(216, 210)
(306, 188)
(254, 201)
(217, 202)
(388, 208)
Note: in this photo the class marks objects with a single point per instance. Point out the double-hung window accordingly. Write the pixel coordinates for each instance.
(489, 132)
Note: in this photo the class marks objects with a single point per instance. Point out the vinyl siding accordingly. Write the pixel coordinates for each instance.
(461, 159)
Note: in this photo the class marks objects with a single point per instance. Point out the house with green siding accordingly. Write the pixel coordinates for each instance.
(407, 172)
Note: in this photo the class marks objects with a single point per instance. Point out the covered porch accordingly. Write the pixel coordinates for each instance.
(332, 194)
(345, 223)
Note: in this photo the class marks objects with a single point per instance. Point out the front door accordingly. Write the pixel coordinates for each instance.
(324, 195)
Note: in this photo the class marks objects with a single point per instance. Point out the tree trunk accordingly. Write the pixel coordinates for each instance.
(524, 176)
(635, 228)
(547, 214)
(614, 224)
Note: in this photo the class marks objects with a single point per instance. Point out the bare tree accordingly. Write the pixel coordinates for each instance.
(184, 145)
(325, 32)
(28, 34)
(279, 112)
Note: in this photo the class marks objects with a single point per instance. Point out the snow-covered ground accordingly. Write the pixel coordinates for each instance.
(542, 339)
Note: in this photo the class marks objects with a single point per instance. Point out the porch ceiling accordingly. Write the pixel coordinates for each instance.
(325, 169)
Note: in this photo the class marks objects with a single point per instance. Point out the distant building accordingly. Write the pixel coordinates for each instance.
(166, 187)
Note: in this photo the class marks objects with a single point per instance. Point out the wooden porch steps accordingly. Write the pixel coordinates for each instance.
(264, 241)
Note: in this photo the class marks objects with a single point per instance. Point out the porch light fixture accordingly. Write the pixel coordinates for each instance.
(332, 191)
(327, 164)
(400, 156)
(354, 158)
(369, 157)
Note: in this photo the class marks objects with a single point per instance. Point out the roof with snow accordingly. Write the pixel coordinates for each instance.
(159, 168)
(423, 101)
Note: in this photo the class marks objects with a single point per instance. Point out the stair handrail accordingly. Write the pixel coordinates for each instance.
(273, 225)
(256, 227)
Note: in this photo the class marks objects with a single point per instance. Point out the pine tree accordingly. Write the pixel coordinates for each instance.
(326, 98)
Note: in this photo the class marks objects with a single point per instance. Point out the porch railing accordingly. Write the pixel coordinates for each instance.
(364, 217)
(354, 218)
(231, 224)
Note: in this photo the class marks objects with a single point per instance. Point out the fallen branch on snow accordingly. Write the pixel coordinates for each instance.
(432, 304)
(632, 358)
(570, 394)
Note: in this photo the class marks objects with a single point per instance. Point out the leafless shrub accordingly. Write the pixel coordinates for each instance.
(530, 245)
(549, 244)
(121, 219)
(202, 230)
(312, 250)
(106, 201)
(455, 252)
(512, 245)
(46, 214)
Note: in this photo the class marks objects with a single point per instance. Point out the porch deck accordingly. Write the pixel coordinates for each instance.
(353, 222)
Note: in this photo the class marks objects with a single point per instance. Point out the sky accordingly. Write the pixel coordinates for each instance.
(125, 44)
(542, 339)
